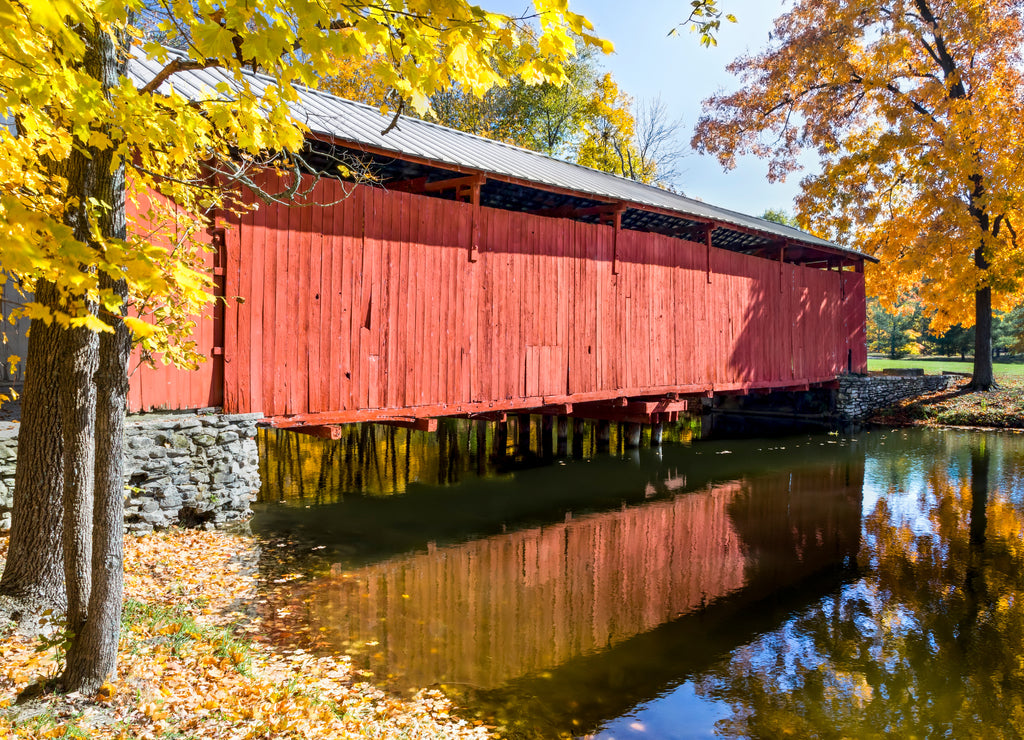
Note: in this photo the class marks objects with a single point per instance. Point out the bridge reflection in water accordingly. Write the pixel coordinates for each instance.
(575, 601)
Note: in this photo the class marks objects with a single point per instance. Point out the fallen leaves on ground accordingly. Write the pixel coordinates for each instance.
(194, 663)
(1001, 408)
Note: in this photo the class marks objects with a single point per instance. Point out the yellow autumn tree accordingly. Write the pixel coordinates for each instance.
(914, 109)
(97, 121)
(609, 132)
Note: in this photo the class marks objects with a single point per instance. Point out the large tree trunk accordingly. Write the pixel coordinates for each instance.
(78, 410)
(84, 172)
(34, 573)
(92, 653)
(983, 378)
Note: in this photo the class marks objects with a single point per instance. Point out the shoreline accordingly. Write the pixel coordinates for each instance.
(195, 661)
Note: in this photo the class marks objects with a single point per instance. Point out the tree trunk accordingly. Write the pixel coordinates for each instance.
(34, 573)
(983, 379)
(83, 171)
(92, 653)
(78, 411)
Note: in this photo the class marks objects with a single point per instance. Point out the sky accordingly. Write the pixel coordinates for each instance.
(647, 62)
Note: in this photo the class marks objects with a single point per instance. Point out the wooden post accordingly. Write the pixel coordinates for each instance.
(782, 265)
(657, 429)
(579, 427)
(617, 223)
(474, 244)
(708, 230)
(563, 435)
(612, 214)
(604, 435)
(547, 426)
(523, 431)
(481, 447)
(501, 439)
(632, 435)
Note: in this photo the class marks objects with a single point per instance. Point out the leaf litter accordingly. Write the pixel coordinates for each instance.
(1000, 408)
(196, 660)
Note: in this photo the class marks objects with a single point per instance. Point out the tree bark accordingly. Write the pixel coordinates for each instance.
(78, 411)
(83, 171)
(34, 573)
(983, 378)
(92, 653)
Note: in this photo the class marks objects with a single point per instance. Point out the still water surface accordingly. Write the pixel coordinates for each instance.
(803, 586)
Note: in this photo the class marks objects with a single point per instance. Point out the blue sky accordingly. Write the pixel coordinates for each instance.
(648, 62)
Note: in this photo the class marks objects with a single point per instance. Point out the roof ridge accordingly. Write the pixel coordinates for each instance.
(605, 183)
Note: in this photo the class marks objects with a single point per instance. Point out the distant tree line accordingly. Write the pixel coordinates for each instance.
(907, 329)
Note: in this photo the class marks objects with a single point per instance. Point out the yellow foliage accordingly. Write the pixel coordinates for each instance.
(184, 156)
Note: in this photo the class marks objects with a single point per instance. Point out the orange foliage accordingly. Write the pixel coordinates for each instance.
(914, 109)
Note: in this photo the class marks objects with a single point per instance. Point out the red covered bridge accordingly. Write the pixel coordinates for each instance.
(472, 277)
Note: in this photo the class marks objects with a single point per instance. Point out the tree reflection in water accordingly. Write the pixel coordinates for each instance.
(931, 641)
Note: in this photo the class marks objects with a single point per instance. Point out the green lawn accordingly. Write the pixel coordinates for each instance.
(935, 365)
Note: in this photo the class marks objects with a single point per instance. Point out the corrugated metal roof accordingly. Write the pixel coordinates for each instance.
(361, 125)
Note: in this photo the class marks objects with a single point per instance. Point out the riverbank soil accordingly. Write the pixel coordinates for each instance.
(1002, 408)
(196, 661)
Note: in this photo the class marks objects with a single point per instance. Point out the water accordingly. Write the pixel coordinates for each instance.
(802, 586)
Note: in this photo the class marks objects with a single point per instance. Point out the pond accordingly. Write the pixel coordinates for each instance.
(801, 585)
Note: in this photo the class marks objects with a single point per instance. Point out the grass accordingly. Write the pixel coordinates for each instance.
(1009, 367)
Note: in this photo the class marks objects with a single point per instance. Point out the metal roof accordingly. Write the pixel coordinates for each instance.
(352, 123)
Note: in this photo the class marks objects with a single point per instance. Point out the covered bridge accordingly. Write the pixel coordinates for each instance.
(472, 277)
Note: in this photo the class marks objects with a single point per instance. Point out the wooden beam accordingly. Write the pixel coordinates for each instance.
(323, 431)
(617, 398)
(616, 403)
(421, 425)
(557, 409)
(455, 183)
(623, 415)
(492, 416)
(604, 210)
(414, 185)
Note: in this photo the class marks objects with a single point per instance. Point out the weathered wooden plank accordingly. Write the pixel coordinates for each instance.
(315, 299)
(232, 367)
(268, 305)
(300, 382)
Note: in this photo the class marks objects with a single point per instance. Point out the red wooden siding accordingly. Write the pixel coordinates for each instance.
(154, 385)
(373, 303)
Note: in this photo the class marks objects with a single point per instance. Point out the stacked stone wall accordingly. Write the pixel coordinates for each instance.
(181, 469)
(860, 396)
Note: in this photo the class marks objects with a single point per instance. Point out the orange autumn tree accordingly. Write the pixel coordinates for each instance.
(914, 108)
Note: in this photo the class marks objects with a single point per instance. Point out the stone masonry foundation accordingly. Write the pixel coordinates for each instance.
(182, 469)
(859, 396)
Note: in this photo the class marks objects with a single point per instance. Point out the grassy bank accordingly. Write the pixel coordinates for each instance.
(1005, 367)
(999, 409)
(195, 662)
